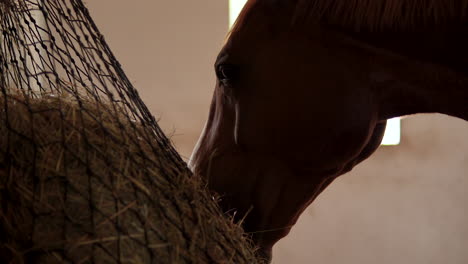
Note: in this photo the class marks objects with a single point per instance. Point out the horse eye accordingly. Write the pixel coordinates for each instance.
(227, 72)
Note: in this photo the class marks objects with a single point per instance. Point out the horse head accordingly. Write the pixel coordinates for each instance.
(295, 106)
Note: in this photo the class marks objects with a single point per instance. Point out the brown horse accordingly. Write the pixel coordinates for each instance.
(303, 92)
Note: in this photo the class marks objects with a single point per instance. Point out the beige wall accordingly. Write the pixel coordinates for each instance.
(167, 48)
(406, 204)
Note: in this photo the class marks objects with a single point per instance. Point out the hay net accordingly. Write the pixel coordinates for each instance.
(86, 175)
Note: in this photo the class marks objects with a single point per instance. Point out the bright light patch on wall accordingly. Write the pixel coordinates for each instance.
(392, 133)
(235, 6)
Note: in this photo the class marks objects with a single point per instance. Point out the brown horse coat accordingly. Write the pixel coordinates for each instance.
(305, 88)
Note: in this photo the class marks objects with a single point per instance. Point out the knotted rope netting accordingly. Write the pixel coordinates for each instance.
(86, 175)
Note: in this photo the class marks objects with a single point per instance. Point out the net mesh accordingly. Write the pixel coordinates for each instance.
(86, 175)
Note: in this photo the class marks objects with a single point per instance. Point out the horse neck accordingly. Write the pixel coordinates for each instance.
(409, 81)
(410, 73)
(421, 88)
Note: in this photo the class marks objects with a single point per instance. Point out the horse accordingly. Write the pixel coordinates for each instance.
(303, 92)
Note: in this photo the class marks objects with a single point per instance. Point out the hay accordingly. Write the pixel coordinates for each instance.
(12, 5)
(79, 184)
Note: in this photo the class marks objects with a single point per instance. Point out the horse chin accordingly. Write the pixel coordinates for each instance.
(265, 254)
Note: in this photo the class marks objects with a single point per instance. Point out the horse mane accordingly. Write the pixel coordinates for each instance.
(376, 15)
(360, 16)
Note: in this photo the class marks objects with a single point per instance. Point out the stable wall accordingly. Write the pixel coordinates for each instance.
(406, 204)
